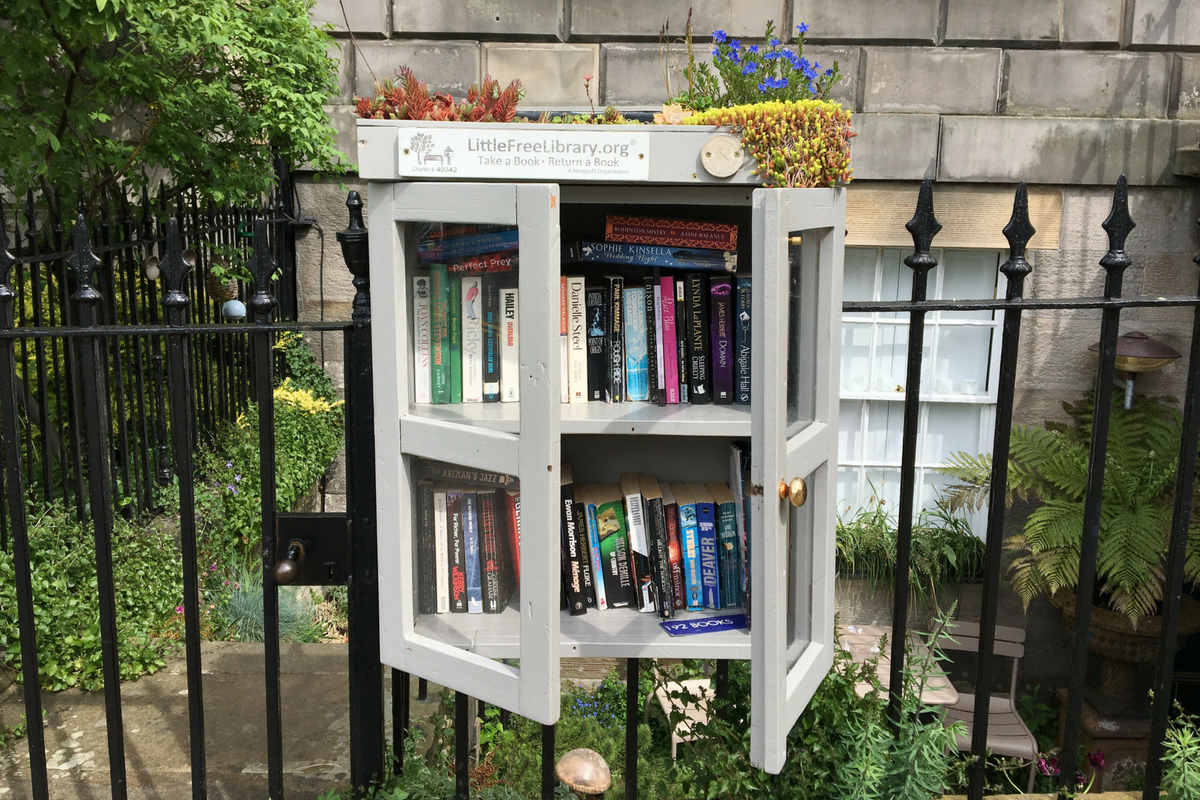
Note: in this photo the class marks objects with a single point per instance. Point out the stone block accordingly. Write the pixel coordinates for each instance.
(1073, 83)
(1188, 103)
(645, 18)
(1164, 23)
(929, 80)
(895, 146)
(552, 74)
(848, 59)
(1079, 151)
(633, 73)
(1074, 273)
(343, 52)
(447, 66)
(1165, 219)
(366, 17)
(1010, 22)
(540, 18)
(1092, 22)
(345, 126)
(863, 21)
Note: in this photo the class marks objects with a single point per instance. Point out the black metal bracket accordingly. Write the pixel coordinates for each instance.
(326, 552)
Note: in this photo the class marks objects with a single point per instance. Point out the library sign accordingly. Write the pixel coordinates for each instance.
(552, 152)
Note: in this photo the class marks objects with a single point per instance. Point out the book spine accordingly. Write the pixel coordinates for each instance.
(458, 554)
(720, 293)
(727, 548)
(662, 344)
(710, 579)
(571, 556)
(699, 388)
(660, 558)
(487, 264)
(512, 513)
(564, 390)
(639, 548)
(615, 341)
(614, 553)
(643, 583)
(444, 249)
(439, 289)
(598, 570)
(489, 554)
(670, 232)
(689, 535)
(652, 355)
(422, 341)
(455, 341)
(597, 328)
(452, 473)
(681, 340)
(577, 332)
(491, 341)
(637, 374)
(470, 515)
(426, 560)
(472, 340)
(669, 347)
(741, 343)
(675, 557)
(510, 353)
(441, 552)
(583, 547)
(644, 255)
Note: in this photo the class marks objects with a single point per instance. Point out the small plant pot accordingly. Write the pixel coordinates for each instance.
(221, 291)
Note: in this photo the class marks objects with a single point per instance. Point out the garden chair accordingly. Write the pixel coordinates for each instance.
(693, 713)
(1008, 735)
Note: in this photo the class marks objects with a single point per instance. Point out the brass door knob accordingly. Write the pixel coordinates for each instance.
(796, 491)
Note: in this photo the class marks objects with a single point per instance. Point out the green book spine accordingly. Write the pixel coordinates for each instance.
(727, 552)
(439, 281)
(455, 315)
(614, 553)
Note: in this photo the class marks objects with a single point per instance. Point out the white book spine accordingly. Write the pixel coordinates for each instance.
(565, 384)
(422, 344)
(441, 552)
(636, 520)
(577, 341)
(510, 353)
(472, 340)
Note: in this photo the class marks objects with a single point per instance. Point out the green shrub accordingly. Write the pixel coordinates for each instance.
(1181, 759)
(148, 580)
(238, 613)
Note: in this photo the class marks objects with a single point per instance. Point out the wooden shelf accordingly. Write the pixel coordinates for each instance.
(602, 418)
(615, 633)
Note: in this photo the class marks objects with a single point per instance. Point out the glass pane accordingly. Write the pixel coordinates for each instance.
(964, 355)
(800, 546)
(850, 431)
(802, 326)
(933, 486)
(856, 357)
(463, 289)
(896, 280)
(885, 432)
(951, 428)
(847, 491)
(968, 275)
(858, 280)
(883, 485)
(891, 358)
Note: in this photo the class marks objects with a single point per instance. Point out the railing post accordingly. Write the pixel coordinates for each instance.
(15, 488)
(462, 746)
(1117, 225)
(1018, 231)
(549, 776)
(1189, 446)
(632, 666)
(366, 672)
(923, 227)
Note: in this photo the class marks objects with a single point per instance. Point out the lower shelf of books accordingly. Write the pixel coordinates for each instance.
(596, 417)
(616, 633)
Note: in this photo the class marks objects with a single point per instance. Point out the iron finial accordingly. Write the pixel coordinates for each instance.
(262, 267)
(923, 227)
(355, 204)
(355, 243)
(174, 269)
(1018, 231)
(1117, 225)
(83, 262)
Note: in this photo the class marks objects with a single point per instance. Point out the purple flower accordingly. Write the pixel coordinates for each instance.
(1079, 779)
(228, 465)
(1096, 760)
(235, 491)
(1047, 766)
(178, 609)
(212, 568)
(237, 478)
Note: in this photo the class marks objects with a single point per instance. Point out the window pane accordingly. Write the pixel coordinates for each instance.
(885, 432)
(858, 280)
(964, 354)
(850, 431)
(856, 357)
(891, 358)
(883, 484)
(896, 281)
(968, 275)
(847, 490)
(951, 428)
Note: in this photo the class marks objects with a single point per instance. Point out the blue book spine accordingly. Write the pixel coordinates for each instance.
(741, 343)
(710, 576)
(637, 353)
(471, 534)
(650, 255)
(690, 535)
(597, 564)
(460, 246)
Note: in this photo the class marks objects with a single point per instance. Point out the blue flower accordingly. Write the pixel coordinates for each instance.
(736, 44)
(735, 56)
(828, 73)
(719, 37)
(774, 43)
(772, 55)
(803, 27)
(752, 49)
(773, 83)
(717, 53)
(749, 68)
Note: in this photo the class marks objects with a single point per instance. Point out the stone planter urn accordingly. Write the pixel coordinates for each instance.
(1122, 647)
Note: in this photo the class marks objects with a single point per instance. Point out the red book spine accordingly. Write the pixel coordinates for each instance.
(670, 232)
(489, 553)
(512, 507)
(484, 264)
(675, 548)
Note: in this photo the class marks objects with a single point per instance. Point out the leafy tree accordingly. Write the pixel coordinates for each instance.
(102, 93)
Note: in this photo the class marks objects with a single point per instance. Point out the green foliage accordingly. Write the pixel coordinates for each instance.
(1181, 759)
(1051, 466)
(148, 580)
(102, 92)
(944, 550)
(11, 734)
(239, 611)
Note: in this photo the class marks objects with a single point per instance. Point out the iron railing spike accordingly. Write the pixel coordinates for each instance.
(1118, 224)
(83, 262)
(262, 267)
(174, 268)
(1019, 231)
(923, 227)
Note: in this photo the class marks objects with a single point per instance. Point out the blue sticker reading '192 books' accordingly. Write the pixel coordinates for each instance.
(687, 627)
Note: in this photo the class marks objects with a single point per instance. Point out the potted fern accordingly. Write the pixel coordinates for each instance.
(1050, 465)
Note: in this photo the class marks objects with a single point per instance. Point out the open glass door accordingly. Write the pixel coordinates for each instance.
(466, 346)
(799, 237)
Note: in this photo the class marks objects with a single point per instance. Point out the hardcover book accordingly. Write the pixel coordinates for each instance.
(660, 339)
(674, 548)
(439, 288)
(652, 365)
(564, 389)
(660, 554)
(458, 552)
(670, 232)
(470, 517)
(637, 359)
(422, 341)
(577, 335)
(706, 523)
(614, 387)
(608, 508)
(728, 552)
(646, 255)
(492, 560)
(510, 353)
(472, 340)
(441, 551)
(491, 340)
(681, 340)
(689, 537)
(426, 559)
(484, 264)
(457, 247)
(574, 559)
(699, 386)
(597, 329)
(741, 343)
(720, 292)
(669, 347)
(455, 326)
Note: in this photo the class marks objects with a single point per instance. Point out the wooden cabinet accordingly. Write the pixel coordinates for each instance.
(791, 243)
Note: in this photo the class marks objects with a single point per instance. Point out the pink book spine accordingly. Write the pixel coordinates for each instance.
(670, 352)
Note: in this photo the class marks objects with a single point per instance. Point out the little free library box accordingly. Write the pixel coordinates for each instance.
(606, 376)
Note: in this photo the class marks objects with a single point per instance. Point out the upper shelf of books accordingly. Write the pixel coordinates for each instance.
(666, 154)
